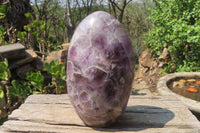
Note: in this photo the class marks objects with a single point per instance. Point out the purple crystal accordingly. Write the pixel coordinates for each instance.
(100, 69)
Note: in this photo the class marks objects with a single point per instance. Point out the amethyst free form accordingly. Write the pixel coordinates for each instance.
(100, 69)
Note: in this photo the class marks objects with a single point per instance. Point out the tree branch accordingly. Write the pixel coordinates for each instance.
(113, 3)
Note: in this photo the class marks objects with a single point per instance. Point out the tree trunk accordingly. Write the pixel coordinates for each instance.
(109, 8)
(15, 18)
(68, 22)
(122, 10)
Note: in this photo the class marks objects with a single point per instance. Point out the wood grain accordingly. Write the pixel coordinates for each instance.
(54, 113)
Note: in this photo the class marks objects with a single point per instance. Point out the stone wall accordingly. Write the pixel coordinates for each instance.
(149, 68)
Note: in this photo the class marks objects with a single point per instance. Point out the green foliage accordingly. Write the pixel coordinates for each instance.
(21, 35)
(4, 81)
(37, 28)
(1, 95)
(27, 28)
(177, 24)
(19, 89)
(2, 35)
(4, 71)
(15, 89)
(2, 99)
(38, 25)
(34, 83)
(28, 15)
(58, 74)
(3, 10)
(36, 80)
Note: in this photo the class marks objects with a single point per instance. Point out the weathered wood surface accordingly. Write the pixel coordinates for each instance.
(54, 113)
(13, 51)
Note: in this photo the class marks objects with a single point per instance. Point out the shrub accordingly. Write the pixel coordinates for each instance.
(177, 24)
(36, 80)
(58, 74)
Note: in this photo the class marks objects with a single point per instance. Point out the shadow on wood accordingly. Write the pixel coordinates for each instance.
(140, 117)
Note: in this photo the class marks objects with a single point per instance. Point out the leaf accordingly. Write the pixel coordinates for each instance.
(2, 15)
(36, 33)
(42, 27)
(54, 83)
(35, 24)
(15, 84)
(28, 15)
(57, 72)
(9, 73)
(21, 35)
(1, 94)
(3, 75)
(11, 91)
(2, 11)
(17, 87)
(63, 78)
(2, 8)
(36, 80)
(6, 62)
(36, 92)
(47, 67)
(27, 28)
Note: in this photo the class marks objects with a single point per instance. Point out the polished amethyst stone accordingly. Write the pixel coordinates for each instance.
(100, 69)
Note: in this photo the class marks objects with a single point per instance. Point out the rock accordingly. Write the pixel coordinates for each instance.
(65, 46)
(145, 59)
(146, 64)
(31, 53)
(21, 71)
(178, 84)
(141, 71)
(56, 55)
(60, 55)
(39, 64)
(182, 80)
(164, 55)
(191, 80)
(13, 51)
(154, 65)
(100, 69)
(161, 64)
(148, 70)
(154, 71)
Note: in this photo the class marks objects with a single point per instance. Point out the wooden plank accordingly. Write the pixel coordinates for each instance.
(54, 113)
(13, 51)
